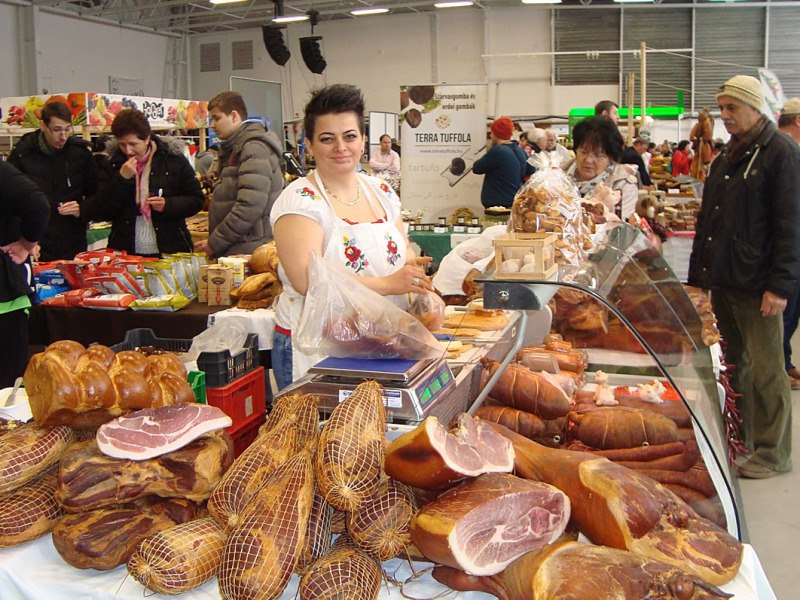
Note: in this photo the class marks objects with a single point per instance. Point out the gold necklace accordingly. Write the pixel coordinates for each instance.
(339, 200)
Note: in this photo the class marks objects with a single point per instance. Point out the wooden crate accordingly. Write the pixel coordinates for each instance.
(542, 246)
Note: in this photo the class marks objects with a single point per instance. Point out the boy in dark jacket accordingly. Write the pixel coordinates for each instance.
(63, 167)
(23, 219)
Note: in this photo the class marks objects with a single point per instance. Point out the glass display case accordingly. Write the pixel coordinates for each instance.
(637, 299)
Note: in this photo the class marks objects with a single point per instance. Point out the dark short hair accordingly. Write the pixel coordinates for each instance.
(333, 99)
(130, 120)
(100, 143)
(682, 144)
(604, 105)
(227, 102)
(786, 120)
(56, 109)
(385, 135)
(598, 132)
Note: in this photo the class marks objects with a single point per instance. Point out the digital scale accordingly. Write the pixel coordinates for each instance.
(411, 388)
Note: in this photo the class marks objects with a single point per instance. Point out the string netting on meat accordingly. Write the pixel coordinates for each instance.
(28, 451)
(381, 527)
(343, 573)
(179, 559)
(318, 534)
(30, 504)
(298, 409)
(262, 551)
(349, 460)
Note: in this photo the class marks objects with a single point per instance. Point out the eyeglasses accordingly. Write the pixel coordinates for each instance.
(593, 155)
(59, 131)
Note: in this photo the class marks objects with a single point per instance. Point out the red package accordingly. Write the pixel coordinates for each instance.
(124, 278)
(75, 272)
(109, 301)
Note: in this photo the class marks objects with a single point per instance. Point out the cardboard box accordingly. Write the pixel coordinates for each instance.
(237, 265)
(202, 284)
(220, 284)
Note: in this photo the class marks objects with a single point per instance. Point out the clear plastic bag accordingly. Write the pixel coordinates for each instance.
(344, 318)
(550, 202)
(230, 334)
(429, 309)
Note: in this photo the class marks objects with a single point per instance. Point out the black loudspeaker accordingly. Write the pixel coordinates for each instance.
(312, 55)
(273, 40)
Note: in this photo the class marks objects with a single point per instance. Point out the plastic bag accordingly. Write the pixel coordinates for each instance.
(345, 319)
(550, 202)
(429, 309)
(229, 334)
(474, 253)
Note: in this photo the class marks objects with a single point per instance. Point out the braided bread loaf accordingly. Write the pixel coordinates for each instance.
(68, 384)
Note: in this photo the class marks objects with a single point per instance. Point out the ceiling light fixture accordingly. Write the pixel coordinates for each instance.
(633, 1)
(290, 19)
(541, 1)
(225, 1)
(455, 4)
(361, 12)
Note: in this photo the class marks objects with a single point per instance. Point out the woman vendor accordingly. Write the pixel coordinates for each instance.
(147, 189)
(598, 147)
(347, 218)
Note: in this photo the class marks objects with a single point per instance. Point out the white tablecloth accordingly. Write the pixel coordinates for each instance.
(676, 251)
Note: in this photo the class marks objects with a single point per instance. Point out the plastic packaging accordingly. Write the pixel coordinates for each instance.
(429, 309)
(229, 334)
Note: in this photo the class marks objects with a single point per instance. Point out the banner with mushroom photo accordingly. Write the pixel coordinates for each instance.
(443, 132)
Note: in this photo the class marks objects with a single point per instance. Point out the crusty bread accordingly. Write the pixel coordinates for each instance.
(84, 389)
(475, 321)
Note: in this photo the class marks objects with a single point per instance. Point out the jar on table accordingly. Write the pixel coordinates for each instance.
(460, 226)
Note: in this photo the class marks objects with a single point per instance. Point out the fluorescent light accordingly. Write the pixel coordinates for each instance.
(541, 1)
(368, 11)
(633, 1)
(290, 19)
(225, 1)
(455, 4)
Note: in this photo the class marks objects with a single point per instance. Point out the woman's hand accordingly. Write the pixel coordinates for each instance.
(20, 250)
(128, 168)
(411, 278)
(157, 203)
(69, 209)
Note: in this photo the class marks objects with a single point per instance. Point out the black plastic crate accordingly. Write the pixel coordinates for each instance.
(221, 368)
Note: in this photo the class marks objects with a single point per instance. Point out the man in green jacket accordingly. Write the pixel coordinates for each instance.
(248, 180)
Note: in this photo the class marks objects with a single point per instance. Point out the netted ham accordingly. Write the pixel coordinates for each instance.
(344, 572)
(519, 387)
(249, 472)
(381, 527)
(318, 534)
(431, 457)
(28, 451)
(576, 571)
(351, 449)
(179, 559)
(104, 539)
(302, 413)
(617, 507)
(620, 427)
(151, 432)
(483, 525)
(262, 551)
(29, 511)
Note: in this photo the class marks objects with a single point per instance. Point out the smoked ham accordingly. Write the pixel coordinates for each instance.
(29, 511)
(430, 457)
(576, 571)
(521, 388)
(620, 427)
(617, 507)
(28, 451)
(151, 432)
(483, 525)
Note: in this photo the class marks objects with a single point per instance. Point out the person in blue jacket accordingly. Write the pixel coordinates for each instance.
(504, 166)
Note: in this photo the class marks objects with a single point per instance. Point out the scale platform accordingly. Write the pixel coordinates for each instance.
(411, 388)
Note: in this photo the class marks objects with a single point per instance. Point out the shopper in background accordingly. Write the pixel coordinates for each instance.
(681, 161)
(63, 167)
(349, 219)
(248, 180)
(608, 108)
(550, 141)
(789, 123)
(504, 166)
(385, 161)
(647, 156)
(634, 155)
(147, 189)
(747, 252)
(23, 219)
(100, 148)
(598, 148)
(204, 158)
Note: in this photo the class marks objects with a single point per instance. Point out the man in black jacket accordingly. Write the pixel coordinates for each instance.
(747, 252)
(63, 167)
(23, 218)
(632, 155)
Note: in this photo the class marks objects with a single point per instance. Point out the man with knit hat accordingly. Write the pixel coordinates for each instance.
(504, 166)
(747, 252)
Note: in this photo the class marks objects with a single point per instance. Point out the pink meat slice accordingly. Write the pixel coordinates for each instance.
(153, 432)
(472, 448)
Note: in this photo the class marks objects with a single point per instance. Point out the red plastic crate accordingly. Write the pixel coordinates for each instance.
(244, 436)
(244, 400)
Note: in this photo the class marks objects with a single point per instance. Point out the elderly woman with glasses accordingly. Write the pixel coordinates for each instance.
(598, 148)
(63, 167)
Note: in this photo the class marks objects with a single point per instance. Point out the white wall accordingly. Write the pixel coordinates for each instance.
(10, 80)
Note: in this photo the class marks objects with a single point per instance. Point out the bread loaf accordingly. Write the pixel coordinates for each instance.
(88, 479)
(28, 451)
(473, 321)
(264, 259)
(89, 387)
(29, 511)
(179, 559)
(105, 538)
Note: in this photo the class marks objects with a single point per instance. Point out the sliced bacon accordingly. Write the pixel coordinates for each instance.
(151, 432)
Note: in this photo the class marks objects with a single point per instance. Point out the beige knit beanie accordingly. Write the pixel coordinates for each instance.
(745, 89)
